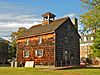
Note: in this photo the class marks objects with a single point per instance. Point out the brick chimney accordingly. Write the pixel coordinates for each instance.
(48, 18)
(75, 22)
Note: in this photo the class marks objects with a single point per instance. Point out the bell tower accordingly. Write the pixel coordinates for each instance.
(48, 18)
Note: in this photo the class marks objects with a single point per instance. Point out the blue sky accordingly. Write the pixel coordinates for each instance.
(18, 13)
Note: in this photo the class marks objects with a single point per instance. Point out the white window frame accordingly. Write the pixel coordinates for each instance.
(24, 53)
(85, 38)
(36, 53)
(86, 55)
(27, 41)
(92, 38)
(39, 39)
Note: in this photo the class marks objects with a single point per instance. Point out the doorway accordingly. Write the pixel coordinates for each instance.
(66, 58)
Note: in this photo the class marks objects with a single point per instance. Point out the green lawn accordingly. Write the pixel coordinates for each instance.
(37, 71)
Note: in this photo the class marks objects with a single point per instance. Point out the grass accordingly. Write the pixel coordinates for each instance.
(83, 72)
(39, 71)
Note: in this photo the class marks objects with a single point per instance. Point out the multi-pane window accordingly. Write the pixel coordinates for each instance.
(26, 53)
(39, 53)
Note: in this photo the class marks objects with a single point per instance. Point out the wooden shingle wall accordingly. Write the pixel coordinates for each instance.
(47, 46)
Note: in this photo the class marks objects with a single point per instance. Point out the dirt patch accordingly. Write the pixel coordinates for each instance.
(69, 73)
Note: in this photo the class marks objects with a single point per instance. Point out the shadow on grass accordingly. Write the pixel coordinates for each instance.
(91, 68)
(4, 65)
(77, 67)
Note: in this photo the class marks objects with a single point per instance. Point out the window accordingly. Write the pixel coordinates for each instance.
(85, 39)
(66, 39)
(80, 40)
(92, 38)
(86, 48)
(65, 55)
(27, 41)
(68, 27)
(39, 53)
(86, 55)
(40, 40)
(72, 56)
(26, 53)
(66, 52)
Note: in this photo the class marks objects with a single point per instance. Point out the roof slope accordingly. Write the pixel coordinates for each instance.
(3, 40)
(40, 29)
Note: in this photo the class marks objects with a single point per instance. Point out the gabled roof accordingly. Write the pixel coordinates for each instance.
(41, 29)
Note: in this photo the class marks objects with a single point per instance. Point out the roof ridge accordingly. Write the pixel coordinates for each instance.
(61, 18)
(35, 26)
(54, 20)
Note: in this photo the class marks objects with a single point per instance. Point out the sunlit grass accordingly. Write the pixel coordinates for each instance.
(39, 71)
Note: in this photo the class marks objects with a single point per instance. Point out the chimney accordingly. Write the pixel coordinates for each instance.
(75, 22)
(48, 18)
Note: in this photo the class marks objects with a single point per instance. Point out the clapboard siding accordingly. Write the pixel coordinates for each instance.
(72, 46)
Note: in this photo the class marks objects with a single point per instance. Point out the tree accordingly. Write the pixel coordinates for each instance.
(91, 22)
(91, 3)
(3, 51)
(96, 46)
(91, 19)
(12, 47)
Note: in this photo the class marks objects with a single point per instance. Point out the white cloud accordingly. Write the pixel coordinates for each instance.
(11, 17)
(11, 21)
(7, 28)
(70, 15)
(15, 15)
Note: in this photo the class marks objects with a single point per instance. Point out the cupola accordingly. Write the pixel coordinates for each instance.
(48, 18)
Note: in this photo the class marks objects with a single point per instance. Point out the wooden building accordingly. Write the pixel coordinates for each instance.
(53, 42)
